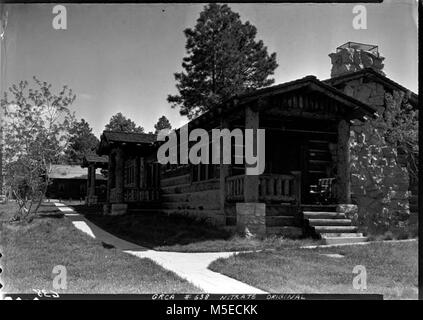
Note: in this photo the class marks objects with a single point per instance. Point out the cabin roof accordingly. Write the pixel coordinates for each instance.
(313, 84)
(308, 83)
(66, 171)
(95, 159)
(369, 73)
(130, 137)
(110, 137)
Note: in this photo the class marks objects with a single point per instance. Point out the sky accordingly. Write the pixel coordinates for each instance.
(122, 57)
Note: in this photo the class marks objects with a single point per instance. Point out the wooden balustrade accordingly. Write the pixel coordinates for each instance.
(277, 187)
(235, 188)
(143, 194)
(272, 188)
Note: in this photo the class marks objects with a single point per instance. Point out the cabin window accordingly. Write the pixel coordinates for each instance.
(129, 172)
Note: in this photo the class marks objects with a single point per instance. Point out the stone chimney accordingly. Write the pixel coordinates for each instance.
(353, 56)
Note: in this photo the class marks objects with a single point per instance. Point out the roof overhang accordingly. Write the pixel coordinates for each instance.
(310, 84)
(111, 139)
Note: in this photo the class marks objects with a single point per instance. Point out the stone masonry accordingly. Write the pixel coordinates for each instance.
(379, 183)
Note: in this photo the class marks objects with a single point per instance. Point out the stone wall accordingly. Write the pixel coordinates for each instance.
(379, 181)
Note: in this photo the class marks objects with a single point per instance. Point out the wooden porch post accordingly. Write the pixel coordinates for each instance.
(119, 175)
(91, 184)
(251, 182)
(110, 175)
(88, 184)
(223, 170)
(251, 215)
(343, 179)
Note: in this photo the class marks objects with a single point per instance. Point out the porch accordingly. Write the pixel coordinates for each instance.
(307, 159)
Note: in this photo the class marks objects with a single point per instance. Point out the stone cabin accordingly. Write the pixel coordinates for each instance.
(307, 186)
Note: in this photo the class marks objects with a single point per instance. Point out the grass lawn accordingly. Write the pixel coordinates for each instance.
(30, 251)
(391, 269)
(179, 233)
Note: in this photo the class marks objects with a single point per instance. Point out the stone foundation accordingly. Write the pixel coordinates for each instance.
(251, 219)
(92, 200)
(350, 211)
(115, 209)
(118, 209)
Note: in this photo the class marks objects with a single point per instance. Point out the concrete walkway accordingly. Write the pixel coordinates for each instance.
(93, 231)
(189, 266)
(193, 267)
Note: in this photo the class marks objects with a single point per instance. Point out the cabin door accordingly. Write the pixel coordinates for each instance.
(315, 164)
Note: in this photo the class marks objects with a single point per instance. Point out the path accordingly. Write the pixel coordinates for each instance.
(189, 266)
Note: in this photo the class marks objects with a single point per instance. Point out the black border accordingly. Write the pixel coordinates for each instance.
(420, 134)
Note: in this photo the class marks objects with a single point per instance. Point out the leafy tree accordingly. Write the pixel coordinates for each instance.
(223, 60)
(120, 123)
(36, 126)
(82, 141)
(162, 123)
(402, 129)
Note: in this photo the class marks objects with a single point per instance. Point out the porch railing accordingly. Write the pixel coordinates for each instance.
(235, 188)
(272, 188)
(277, 188)
(138, 195)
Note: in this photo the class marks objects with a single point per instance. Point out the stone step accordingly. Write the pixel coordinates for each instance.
(290, 232)
(341, 234)
(280, 221)
(329, 222)
(323, 215)
(344, 240)
(335, 229)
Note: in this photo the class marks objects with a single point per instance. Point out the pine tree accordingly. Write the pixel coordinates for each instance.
(82, 142)
(162, 123)
(223, 60)
(120, 123)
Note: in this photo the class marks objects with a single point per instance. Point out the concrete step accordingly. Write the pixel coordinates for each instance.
(323, 215)
(329, 222)
(344, 240)
(290, 232)
(280, 221)
(341, 234)
(335, 229)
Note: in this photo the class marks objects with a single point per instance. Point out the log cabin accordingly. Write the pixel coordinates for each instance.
(306, 180)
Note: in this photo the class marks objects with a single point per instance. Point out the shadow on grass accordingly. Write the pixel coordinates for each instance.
(181, 233)
(153, 230)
